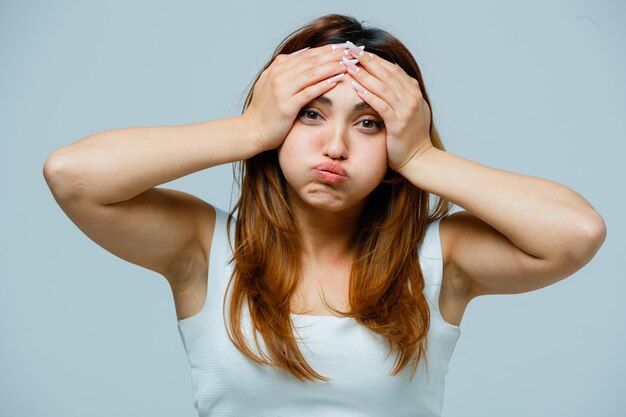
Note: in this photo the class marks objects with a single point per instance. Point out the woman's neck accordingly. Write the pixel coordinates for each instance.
(326, 236)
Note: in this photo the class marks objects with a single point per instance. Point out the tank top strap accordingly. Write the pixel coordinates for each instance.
(431, 255)
(219, 271)
(220, 235)
(219, 268)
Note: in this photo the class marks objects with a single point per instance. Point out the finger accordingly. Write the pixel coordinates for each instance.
(380, 105)
(389, 90)
(321, 64)
(382, 69)
(309, 93)
(298, 51)
(310, 75)
(314, 56)
(377, 66)
(407, 81)
(370, 57)
(322, 48)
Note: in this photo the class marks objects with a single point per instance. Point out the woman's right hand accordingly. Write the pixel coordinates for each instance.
(289, 83)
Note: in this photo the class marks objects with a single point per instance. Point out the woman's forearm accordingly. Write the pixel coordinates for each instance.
(541, 217)
(119, 164)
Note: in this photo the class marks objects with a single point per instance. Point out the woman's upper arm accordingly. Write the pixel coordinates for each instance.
(166, 231)
(489, 263)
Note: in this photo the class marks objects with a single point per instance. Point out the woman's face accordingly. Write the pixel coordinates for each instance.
(329, 129)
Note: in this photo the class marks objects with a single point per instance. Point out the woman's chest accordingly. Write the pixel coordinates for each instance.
(333, 287)
(322, 284)
(310, 295)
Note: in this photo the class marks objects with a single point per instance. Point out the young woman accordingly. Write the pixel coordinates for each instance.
(338, 288)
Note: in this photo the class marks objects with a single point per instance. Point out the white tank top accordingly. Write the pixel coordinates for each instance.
(227, 383)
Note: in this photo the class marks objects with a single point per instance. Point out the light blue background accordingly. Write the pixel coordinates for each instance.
(533, 87)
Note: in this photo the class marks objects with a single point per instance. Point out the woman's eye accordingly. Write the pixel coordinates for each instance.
(307, 113)
(372, 124)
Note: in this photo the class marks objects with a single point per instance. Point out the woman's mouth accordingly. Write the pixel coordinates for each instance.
(329, 176)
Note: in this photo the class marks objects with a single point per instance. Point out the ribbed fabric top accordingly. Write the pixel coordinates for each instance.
(226, 383)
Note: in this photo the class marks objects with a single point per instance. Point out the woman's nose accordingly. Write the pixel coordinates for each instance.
(337, 144)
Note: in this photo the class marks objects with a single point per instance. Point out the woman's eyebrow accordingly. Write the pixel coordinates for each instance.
(329, 103)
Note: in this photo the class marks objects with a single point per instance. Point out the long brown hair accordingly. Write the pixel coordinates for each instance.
(267, 249)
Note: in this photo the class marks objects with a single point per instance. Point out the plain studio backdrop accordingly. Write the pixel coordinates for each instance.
(533, 87)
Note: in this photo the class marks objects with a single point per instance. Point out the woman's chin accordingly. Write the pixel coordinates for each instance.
(329, 203)
(318, 197)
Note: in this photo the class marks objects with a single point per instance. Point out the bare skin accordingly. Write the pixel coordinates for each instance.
(190, 298)
(107, 185)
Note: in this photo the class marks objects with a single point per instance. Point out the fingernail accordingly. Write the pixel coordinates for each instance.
(359, 87)
(355, 50)
(335, 78)
(350, 63)
(359, 51)
(339, 45)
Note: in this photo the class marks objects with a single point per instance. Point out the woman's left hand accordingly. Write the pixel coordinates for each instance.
(397, 98)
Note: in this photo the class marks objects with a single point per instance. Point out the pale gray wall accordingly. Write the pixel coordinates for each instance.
(533, 87)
